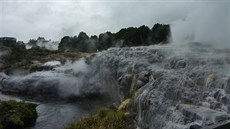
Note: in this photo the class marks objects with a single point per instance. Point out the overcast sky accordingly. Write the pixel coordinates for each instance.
(53, 19)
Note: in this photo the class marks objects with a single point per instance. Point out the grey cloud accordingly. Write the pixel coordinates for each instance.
(54, 19)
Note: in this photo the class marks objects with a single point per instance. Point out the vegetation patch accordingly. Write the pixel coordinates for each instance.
(15, 56)
(16, 115)
(66, 55)
(104, 119)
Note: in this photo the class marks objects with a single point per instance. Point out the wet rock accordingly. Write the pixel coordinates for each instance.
(180, 64)
(3, 76)
(220, 96)
(125, 79)
(216, 105)
(205, 104)
(125, 82)
(173, 94)
(144, 76)
(193, 76)
(210, 79)
(222, 118)
(190, 112)
(208, 116)
(195, 127)
(228, 85)
(210, 99)
(140, 84)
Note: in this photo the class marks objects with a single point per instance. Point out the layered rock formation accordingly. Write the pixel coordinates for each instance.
(170, 87)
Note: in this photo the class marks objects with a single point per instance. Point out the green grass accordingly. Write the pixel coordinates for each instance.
(16, 115)
(104, 119)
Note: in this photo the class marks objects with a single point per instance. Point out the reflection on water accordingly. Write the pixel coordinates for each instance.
(56, 116)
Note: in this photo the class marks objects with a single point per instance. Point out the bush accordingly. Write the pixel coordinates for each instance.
(104, 119)
(16, 115)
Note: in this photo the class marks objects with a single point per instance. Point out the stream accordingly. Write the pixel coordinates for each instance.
(56, 114)
(64, 94)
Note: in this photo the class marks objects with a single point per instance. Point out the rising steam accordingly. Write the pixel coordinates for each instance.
(74, 79)
(208, 24)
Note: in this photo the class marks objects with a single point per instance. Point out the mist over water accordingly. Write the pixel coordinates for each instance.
(207, 24)
(76, 79)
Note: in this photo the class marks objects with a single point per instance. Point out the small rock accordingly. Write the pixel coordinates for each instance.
(139, 84)
(180, 64)
(114, 106)
(2, 76)
(209, 80)
(208, 116)
(205, 104)
(144, 76)
(210, 99)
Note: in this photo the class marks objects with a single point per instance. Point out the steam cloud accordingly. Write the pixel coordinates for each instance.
(77, 79)
(50, 45)
(208, 24)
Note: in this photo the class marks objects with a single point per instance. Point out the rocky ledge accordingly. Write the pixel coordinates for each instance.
(166, 87)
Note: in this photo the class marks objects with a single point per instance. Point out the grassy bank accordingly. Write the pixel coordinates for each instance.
(103, 119)
(16, 115)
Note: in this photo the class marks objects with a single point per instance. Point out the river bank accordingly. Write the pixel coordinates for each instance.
(54, 113)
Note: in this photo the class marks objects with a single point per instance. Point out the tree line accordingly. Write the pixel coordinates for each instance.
(126, 37)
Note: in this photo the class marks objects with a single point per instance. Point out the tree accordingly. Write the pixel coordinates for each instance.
(65, 43)
(105, 41)
(133, 36)
(160, 33)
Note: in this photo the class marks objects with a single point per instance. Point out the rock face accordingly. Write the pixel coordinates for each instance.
(207, 115)
(175, 89)
(172, 87)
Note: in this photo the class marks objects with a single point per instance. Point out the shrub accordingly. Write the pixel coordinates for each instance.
(16, 115)
(104, 119)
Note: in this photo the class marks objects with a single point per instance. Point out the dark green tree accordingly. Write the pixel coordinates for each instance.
(105, 41)
(133, 36)
(160, 33)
